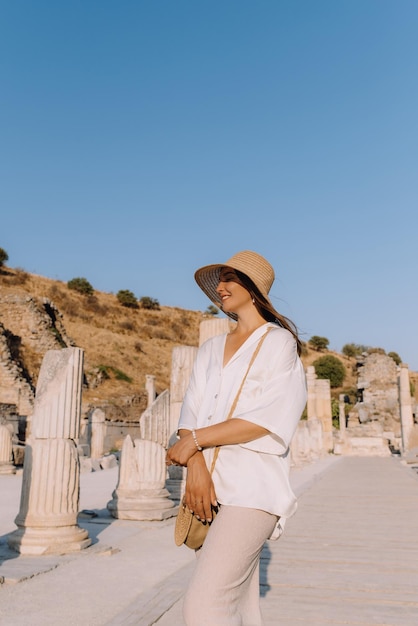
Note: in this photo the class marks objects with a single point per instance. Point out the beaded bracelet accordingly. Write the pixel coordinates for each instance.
(196, 441)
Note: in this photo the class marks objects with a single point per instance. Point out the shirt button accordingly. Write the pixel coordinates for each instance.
(209, 417)
(216, 395)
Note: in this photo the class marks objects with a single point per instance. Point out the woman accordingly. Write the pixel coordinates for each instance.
(250, 480)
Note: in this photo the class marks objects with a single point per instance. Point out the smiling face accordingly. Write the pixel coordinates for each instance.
(233, 296)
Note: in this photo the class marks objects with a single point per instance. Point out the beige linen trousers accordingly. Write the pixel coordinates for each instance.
(224, 589)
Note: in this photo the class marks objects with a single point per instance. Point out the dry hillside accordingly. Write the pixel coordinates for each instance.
(121, 344)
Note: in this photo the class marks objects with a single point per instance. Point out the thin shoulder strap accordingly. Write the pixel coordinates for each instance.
(235, 402)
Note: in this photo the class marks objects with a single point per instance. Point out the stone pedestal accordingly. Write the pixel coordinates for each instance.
(47, 519)
(307, 443)
(6, 451)
(140, 493)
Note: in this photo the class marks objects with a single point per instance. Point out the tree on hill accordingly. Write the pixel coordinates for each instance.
(353, 349)
(81, 285)
(212, 310)
(331, 368)
(149, 303)
(127, 298)
(3, 257)
(319, 343)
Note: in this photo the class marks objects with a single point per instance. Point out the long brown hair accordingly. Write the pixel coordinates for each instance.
(263, 306)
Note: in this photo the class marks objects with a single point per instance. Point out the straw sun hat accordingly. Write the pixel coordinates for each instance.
(249, 263)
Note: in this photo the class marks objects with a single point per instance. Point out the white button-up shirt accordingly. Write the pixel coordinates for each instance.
(253, 474)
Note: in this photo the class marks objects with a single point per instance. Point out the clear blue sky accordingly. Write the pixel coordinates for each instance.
(140, 140)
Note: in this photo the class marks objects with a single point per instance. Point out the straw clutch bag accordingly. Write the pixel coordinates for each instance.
(189, 530)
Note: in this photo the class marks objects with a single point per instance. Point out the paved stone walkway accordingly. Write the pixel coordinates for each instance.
(348, 556)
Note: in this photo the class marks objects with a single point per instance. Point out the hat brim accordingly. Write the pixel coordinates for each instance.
(207, 278)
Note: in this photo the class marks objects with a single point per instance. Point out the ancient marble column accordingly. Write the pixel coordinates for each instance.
(212, 327)
(341, 415)
(140, 493)
(324, 412)
(6, 451)
(182, 360)
(310, 382)
(47, 520)
(405, 402)
(150, 388)
(97, 424)
(155, 420)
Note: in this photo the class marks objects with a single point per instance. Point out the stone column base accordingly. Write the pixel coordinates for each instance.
(37, 541)
(145, 505)
(7, 468)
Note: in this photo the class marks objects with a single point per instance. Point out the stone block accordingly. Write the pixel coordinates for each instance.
(108, 461)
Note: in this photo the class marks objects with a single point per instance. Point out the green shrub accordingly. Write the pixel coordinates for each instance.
(331, 368)
(127, 298)
(319, 343)
(335, 412)
(395, 356)
(212, 310)
(149, 303)
(350, 349)
(3, 256)
(119, 375)
(81, 285)
(106, 370)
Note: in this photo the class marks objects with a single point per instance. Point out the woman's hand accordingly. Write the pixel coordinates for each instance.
(181, 451)
(200, 493)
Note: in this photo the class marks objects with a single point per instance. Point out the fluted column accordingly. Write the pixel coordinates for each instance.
(181, 368)
(212, 327)
(47, 519)
(155, 420)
